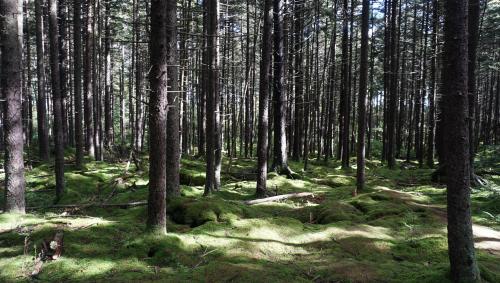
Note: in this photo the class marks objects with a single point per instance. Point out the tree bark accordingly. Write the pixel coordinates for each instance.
(43, 135)
(158, 78)
(363, 78)
(87, 78)
(265, 70)
(173, 145)
(11, 87)
(57, 98)
(456, 140)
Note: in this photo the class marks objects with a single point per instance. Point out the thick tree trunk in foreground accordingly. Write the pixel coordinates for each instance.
(11, 38)
(57, 98)
(456, 143)
(158, 118)
(265, 69)
(363, 78)
(43, 135)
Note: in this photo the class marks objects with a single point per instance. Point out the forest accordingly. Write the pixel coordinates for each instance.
(250, 141)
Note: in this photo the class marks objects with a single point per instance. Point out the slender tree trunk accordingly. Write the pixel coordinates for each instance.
(391, 160)
(57, 97)
(433, 85)
(43, 135)
(265, 72)
(77, 61)
(173, 145)
(211, 183)
(108, 117)
(473, 38)
(456, 138)
(87, 81)
(345, 97)
(363, 78)
(11, 87)
(280, 156)
(63, 64)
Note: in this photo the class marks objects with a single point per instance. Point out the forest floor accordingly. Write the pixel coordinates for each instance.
(394, 231)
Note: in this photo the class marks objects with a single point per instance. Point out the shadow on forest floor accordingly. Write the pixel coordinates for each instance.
(394, 231)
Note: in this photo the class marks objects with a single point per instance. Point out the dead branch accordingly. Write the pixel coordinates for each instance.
(277, 198)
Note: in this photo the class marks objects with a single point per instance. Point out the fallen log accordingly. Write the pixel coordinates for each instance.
(277, 198)
(120, 205)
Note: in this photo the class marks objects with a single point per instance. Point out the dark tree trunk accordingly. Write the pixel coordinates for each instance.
(158, 79)
(393, 97)
(265, 70)
(173, 145)
(57, 98)
(43, 135)
(330, 107)
(108, 117)
(433, 85)
(344, 96)
(280, 157)
(77, 61)
(11, 87)
(363, 78)
(456, 143)
(87, 81)
(63, 64)
(473, 38)
(211, 182)
(298, 80)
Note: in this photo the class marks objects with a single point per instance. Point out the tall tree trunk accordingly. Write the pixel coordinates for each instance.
(391, 160)
(345, 97)
(173, 145)
(43, 135)
(57, 98)
(211, 182)
(363, 78)
(108, 117)
(433, 85)
(77, 61)
(11, 35)
(473, 38)
(265, 70)
(158, 79)
(87, 81)
(280, 156)
(456, 140)
(298, 79)
(63, 64)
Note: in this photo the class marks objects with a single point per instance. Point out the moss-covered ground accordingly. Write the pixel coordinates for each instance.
(394, 231)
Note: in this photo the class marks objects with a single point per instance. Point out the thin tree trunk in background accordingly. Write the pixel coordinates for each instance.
(363, 78)
(473, 39)
(172, 146)
(280, 156)
(265, 72)
(393, 97)
(11, 35)
(87, 81)
(345, 99)
(108, 117)
(298, 80)
(57, 98)
(63, 64)
(330, 107)
(456, 140)
(78, 81)
(433, 85)
(211, 182)
(43, 135)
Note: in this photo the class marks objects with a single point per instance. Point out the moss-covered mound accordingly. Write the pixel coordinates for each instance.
(195, 212)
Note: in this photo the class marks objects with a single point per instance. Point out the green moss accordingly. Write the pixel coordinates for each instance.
(334, 211)
(195, 212)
